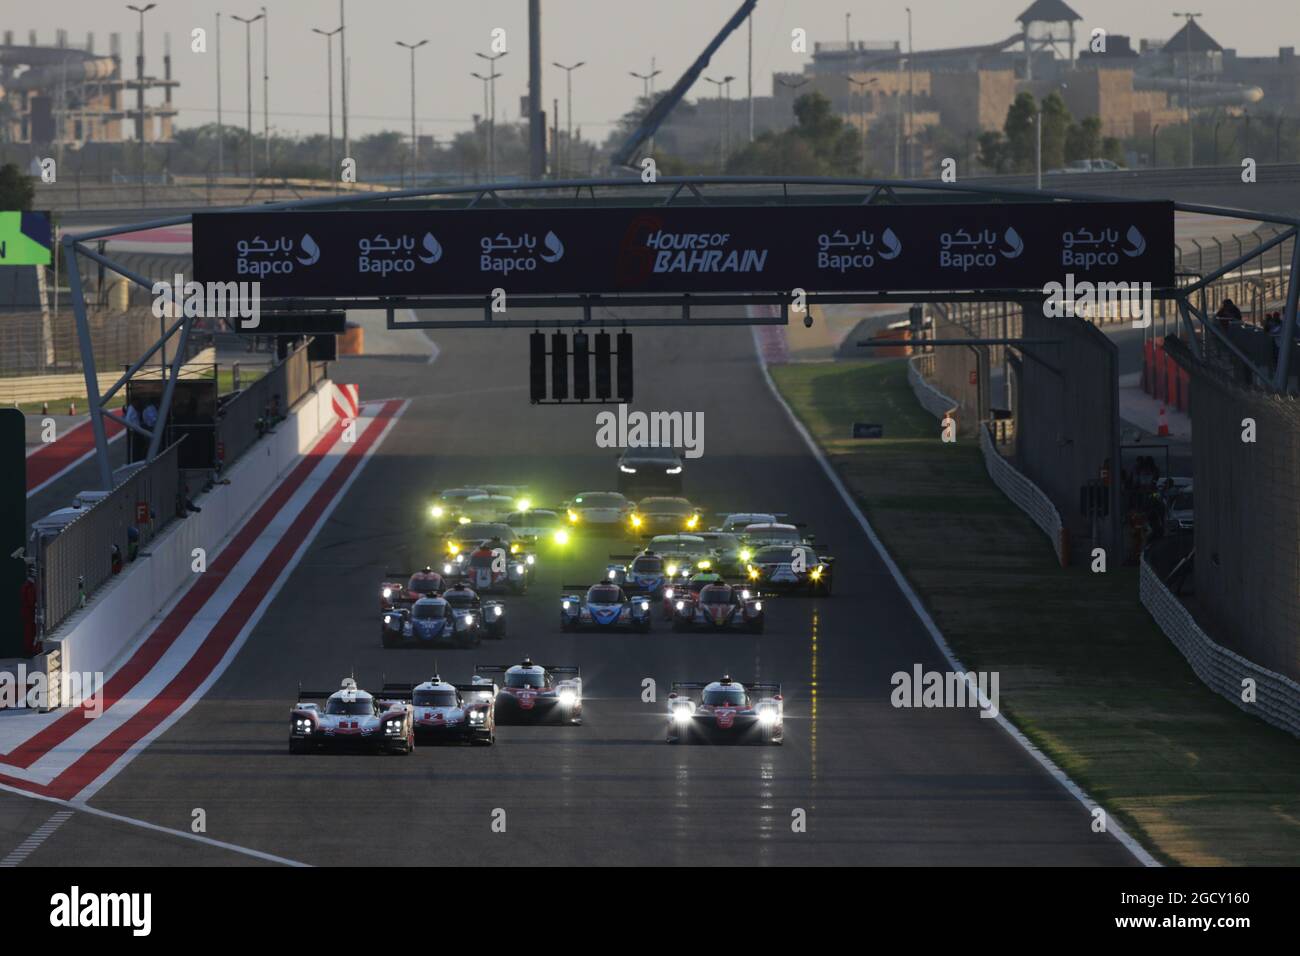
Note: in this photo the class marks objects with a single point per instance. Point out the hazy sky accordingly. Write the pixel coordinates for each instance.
(612, 36)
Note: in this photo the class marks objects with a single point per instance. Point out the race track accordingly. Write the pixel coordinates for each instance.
(879, 785)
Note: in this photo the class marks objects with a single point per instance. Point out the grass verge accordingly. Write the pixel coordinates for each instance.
(1085, 673)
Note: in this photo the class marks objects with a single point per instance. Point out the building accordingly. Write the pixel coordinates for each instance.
(68, 95)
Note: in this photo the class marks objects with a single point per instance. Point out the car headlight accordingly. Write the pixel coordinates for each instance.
(561, 537)
(302, 725)
(498, 610)
(446, 569)
(436, 511)
(693, 521)
(565, 605)
(612, 574)
(681, 714)
(388, 592)
(672, 570)
(469, 620)
(767, 716)
(744, 595)
(704, 565)
(680, 605)
(626, 470)
(530, 559)
(477, 716)
(393, 728)
(816, 573)
(572, 516)
(668, 593)
(674, 471)
(645, 605)
(636, 521)
(746, 554)
(567, 698)
(758, 605)
(388, 619)
(463, 519)
(523, 504)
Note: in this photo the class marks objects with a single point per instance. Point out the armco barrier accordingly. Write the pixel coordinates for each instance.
(95, 639)
(1025, 495)
(932, 400)
(1277, 698)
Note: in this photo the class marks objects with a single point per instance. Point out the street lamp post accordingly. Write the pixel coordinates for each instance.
(726, 86)
(412, 47)
(487, 130)
(719, 84)
(139, 93)
(329, 90)
(492, 120)
(266, 86)
(647, 92)
(862, 114)
(568, 108)
(221, 134)
(1191, 135)
(248, 76)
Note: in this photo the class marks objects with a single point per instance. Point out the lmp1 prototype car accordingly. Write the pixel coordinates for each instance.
(438, 622)
(351, 719)
(718, 607)
(794, 569)
(496, 564)
(450, 713)
(726, 711)
(534, 693)
(393, 593)
(603, 607)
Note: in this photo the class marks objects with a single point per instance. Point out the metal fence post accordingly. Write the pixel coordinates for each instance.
(155, 440)
(1288, 320)
(88, 364)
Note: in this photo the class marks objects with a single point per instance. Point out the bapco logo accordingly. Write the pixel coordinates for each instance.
(260, 258)
(964, 251)
(505, 254)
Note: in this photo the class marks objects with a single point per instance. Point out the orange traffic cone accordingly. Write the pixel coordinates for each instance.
(1163, 428)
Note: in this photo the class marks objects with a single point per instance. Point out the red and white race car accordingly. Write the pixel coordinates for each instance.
(421, 584)
(352, 719)
(717, 607)
(726, 711)
(534, 693)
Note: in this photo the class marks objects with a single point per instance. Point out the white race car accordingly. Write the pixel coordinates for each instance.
(726, 711)
(352, 719)
(450, 713)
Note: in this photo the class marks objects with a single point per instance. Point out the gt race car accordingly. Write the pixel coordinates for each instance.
(539, 526)
(450, 713)
(796, 569)
(650, 469)
(531, 693)
(664, 516)
(726, 711)
(600, 510)
(351, 719)
(718, 607)
(437, 622)
(603, 607)
(448, 505)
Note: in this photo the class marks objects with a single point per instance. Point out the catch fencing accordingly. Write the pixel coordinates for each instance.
(1276, 697)
(79, 559)
(932, 400)
(1024, 494)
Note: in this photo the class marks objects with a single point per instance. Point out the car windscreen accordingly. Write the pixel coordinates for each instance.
(349, 708)
(599, 501)
(429, 612)
(424, 585)
(533, 519)
(666, 506)
(525, 679)
(434, 698)
(716, 595)
(460, 598)
(648, 565)
(780, 555)
(725, 696)
(604, 595)
(482, 531)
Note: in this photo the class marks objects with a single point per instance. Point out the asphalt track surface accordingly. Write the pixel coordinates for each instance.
(879, 785)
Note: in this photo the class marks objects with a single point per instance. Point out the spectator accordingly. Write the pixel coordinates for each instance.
(1228, 314)
(139, 443)
(28, 597)
(115, 560)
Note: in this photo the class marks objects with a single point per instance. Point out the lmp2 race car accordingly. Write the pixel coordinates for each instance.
(455, 618)
(450, 713)
(603, 607)
(790, 569)
(726, 711)
(352, 719)
(393, 593)
(497, 563)
(531, 693)
(718, 607)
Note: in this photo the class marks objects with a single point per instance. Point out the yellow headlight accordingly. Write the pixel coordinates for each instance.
(672, 570)
(636, 521)
(573, 516)
(753, 572)
(514, 549)
(453, 547)
(523, 504)
(464, 519)
(704, 565)
(436, 511)
(561, 537)
(746, 554)
(692, 521)
(816, 573)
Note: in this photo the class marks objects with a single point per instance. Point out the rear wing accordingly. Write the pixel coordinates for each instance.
(773, 687)
(490, 689)
(313, 694)
(552, 668)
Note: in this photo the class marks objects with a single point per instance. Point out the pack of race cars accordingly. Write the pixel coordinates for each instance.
(435, 711)
(691, 573)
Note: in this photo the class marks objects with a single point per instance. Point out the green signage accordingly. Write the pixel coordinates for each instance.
(24, 239)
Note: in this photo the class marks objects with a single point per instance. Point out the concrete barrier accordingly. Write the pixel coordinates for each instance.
(98, 637)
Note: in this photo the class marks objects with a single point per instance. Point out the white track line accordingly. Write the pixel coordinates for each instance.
(146, 825)
(1059, 775)
(25, 849)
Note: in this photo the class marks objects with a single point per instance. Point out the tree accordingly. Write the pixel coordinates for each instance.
(819, 144)
(17, 190)
(1083, 140)
(995, 152)
(1021, 132)
(1056, 126)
